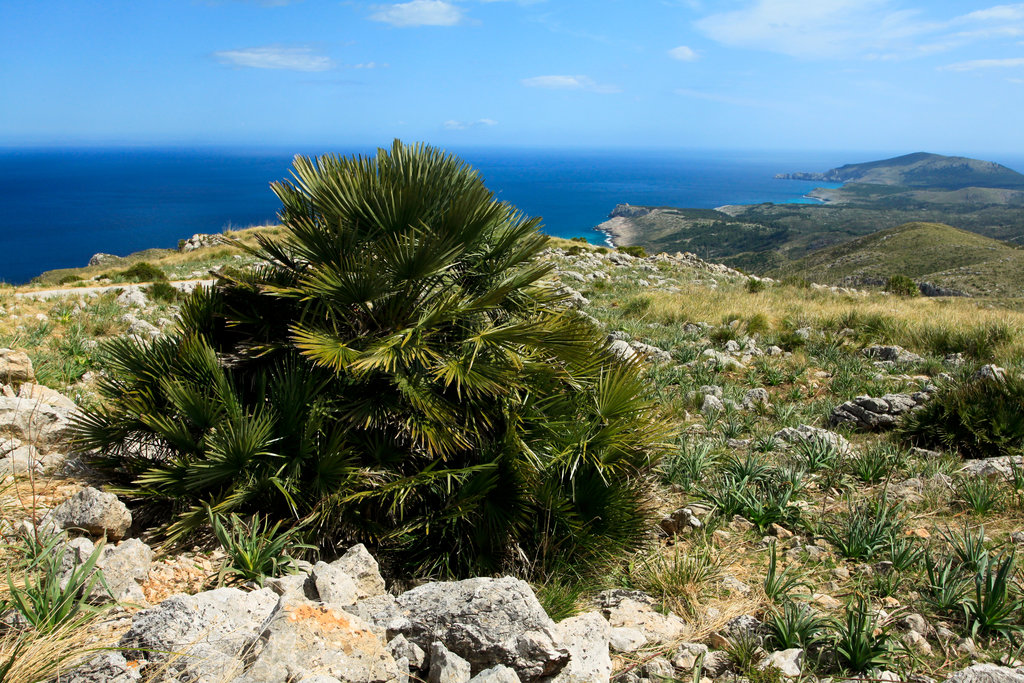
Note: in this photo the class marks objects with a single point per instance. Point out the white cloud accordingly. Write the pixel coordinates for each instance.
(876, 29)
(975, 64)
(683, 53)
(289, 58)
(452, 124)
(370, 65)
(569, 83)
(419, 13)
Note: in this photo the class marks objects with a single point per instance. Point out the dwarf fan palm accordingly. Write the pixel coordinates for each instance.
(396, 371)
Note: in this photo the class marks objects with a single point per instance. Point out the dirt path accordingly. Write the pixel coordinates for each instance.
(183, 285)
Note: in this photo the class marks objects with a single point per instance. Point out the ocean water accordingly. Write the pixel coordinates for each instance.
(60, 206)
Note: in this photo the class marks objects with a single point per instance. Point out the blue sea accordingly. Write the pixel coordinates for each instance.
(60, 206)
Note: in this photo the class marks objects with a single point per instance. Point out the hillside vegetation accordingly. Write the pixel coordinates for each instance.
(926, 252)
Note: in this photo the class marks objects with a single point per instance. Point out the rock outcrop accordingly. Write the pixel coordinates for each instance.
(486, 622)
(875, 414)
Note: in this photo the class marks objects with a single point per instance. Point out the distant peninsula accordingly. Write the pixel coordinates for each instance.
(980, 197)
(921, 169)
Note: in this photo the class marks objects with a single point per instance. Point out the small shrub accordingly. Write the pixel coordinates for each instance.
(255, 550)
(143, 271)
(68, 279)
(163, 292)
(901, 285)
(582, 240)
(745, 650)
(755, 286)
(634, 250)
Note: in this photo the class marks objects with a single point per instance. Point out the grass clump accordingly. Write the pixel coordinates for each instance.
(256, 550)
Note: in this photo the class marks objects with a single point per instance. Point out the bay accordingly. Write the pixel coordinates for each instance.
(63, 205)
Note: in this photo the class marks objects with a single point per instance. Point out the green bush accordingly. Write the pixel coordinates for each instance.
(635, 250)
(68, 279)
(582, 240)
(902, 285)
(755, 286)
(163, 291)
(143, 271)
(979, 418)
(395, 372)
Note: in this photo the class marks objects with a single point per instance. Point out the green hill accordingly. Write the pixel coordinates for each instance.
(922, 170)
(925, 252)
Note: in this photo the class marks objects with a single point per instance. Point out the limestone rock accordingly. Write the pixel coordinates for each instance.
(358, 563)
(37, 422)
(125, 567)
(874, 414)
(334, 586)
(496, 674)
(625, 639)
(132, 297)
(108, 667)
(486, 621)
(987, 673)
(446, 666)
(755, 398)
(990, 373)
(102, 259)
(38, 393)
(15, 367)
(999, 467)
(213, 632)
(656, 627)
(303, 638)
(587, 637)
(95, 512)
(622, 350)
(788, 662)
(807, 433)
(891, 354)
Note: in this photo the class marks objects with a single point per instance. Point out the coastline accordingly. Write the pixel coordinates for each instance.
(618, 231)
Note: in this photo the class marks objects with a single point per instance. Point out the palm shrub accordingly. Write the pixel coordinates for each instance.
(979, 418)
(394, 370)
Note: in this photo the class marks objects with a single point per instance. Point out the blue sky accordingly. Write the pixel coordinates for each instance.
(895, 75)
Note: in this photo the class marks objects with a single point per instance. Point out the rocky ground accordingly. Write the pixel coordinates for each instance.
(786, 418)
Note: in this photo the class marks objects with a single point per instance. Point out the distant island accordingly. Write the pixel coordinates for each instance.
(980, 197)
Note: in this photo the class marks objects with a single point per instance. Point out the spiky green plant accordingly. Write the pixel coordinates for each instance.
(796, 625)
(995, 605)
(395, 370)
(256, 550)
(865, 528)
(862, 642)
(979, 418)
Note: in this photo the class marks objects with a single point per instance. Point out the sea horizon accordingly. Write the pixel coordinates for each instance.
(64, 204)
